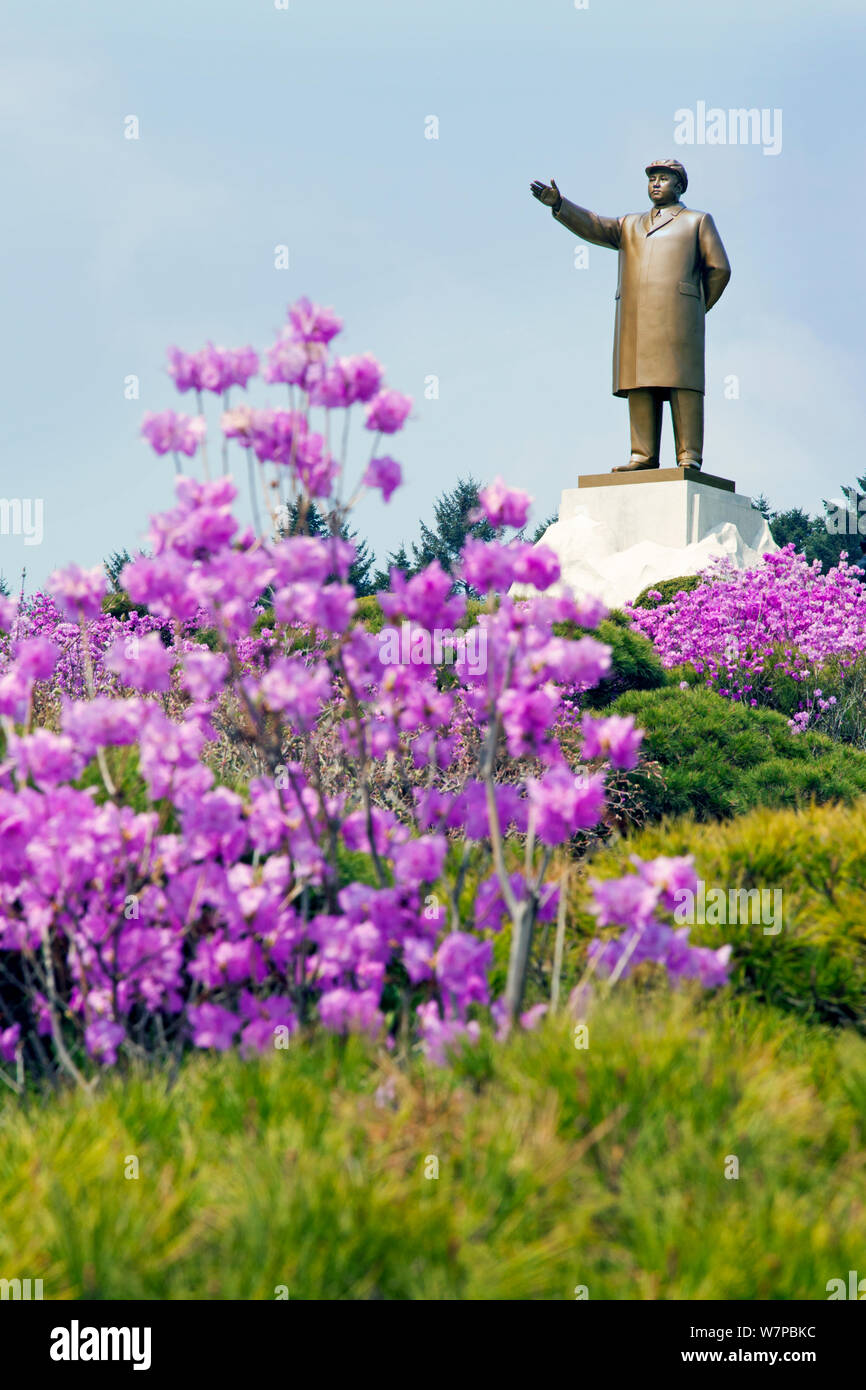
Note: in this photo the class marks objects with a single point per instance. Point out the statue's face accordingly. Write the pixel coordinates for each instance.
(664, 187)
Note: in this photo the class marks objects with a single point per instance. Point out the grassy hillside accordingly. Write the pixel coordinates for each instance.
(557, 1167)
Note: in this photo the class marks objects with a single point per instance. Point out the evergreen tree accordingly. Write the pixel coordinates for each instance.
(793, 525)
(539, 530)
(398, 560)
(360, 576)
(113, 566)
(444, 540)
(819, 537)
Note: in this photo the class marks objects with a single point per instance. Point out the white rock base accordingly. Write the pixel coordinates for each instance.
(616, 536)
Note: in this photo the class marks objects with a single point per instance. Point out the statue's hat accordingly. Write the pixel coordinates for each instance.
(674, 166)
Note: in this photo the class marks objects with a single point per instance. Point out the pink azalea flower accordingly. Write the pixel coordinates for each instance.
(204, 673)
(532, 1017)
(48, 758)
(170, 432)
(563, 803)
(387, 412)
(36, 657)
(142, 662)
(102, 1040)
(362, 377)
(385, 474)
(615, 738)
(505, 506)
(538, 566)
(313, 323)
(213, 1026)
(79, 591)
(9, 1038)
(487, 566)
(345, 1011)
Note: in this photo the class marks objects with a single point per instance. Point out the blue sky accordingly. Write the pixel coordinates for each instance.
(305, 126)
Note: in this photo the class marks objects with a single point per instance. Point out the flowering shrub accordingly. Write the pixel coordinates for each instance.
(40, 620)
(744, 629)
(186, 911)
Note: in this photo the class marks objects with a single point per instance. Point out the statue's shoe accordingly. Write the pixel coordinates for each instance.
(633, 466)
(689, 463)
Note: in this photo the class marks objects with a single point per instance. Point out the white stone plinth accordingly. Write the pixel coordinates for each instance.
(617, 534)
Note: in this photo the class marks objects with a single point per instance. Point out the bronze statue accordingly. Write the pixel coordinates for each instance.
(672, 269)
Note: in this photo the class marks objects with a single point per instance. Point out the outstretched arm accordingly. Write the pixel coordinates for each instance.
(601, 231)
(549, 195)
(716, 267)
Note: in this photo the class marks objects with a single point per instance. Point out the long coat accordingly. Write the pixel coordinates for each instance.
(671, 272)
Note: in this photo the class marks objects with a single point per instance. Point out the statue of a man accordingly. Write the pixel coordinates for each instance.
(672, 269)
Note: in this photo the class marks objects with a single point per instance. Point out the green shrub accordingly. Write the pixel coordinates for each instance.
(620, 618)
(130, 787)
(719, 758)
(816, 965)
(208, 637)
(298, 639)
(846, 720)
(356, 867)
(120, 605)
(840, 680)
(667, 588)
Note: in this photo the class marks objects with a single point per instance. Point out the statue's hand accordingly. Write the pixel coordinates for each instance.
(548, 196)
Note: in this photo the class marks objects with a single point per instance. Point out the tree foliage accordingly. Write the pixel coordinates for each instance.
(820, 537)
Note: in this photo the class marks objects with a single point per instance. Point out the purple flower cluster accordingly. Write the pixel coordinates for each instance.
(738, 627)
(212, 368)
(168, 432)
(42, 643)
(300, 459)
(634, 902)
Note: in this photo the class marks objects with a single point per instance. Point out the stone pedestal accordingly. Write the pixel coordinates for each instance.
(617, 533)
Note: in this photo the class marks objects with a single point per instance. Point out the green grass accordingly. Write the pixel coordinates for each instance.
(558, 1167)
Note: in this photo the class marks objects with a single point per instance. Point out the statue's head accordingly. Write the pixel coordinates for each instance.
(668, 181)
